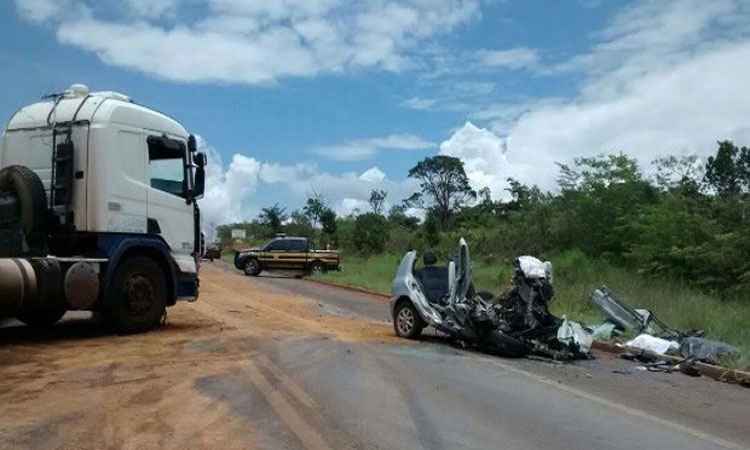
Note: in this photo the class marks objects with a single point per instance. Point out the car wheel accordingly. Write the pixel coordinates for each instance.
(252, 268)
(406, 322)
(138, 297)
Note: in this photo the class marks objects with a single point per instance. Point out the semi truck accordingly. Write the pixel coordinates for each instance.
(98, 211)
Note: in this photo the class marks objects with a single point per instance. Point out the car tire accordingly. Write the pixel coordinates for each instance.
(406, 321)
(252, 267)
(42, 318)
(137, 299)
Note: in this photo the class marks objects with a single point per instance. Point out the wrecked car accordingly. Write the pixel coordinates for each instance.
(514, 324)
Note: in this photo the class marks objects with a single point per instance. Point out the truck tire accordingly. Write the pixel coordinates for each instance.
(28, 187)
(137, 298)
(252, 267)
(42, 318)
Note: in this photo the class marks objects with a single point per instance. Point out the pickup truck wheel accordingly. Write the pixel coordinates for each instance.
(407, 323)
(44, 318)
(317, 268)
(138, 296)
(252, 267)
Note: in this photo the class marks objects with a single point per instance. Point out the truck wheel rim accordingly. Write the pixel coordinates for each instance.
(405, 321)
(140, 294)
(317, 269)
(251, 267)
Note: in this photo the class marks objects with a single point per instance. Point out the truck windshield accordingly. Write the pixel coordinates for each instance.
(167, 169)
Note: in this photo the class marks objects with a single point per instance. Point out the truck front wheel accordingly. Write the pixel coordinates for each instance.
(138, 296)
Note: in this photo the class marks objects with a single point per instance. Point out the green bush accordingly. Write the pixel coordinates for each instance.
(370, 234)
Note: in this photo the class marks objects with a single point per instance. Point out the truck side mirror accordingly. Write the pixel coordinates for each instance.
(192, 144)
(200, 159)
(199, 186)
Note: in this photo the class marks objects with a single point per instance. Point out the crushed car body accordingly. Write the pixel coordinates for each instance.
(514, 324)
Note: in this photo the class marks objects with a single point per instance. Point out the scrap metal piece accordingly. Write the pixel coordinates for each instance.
(623, 316)
(706, 350)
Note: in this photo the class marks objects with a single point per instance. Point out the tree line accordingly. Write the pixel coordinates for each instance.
(683, 218)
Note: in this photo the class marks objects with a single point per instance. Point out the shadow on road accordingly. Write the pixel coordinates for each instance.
(79, 327)
(68, 329)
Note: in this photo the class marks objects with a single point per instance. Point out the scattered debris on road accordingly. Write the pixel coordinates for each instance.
(660, 347)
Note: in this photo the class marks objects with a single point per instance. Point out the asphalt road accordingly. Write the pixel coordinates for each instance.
(273, 362)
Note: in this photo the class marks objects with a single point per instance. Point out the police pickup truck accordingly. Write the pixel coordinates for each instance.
(286, 253)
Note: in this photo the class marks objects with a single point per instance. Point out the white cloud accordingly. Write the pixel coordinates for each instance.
(363, 149)
(373, 175)
(238, 191)
(665, 78)
(352, 206)
(514, 59)
(253, 42)
(227, 189)
(486, 160)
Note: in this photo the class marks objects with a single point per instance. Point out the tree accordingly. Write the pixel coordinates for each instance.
(377, 199)
(600, 197)
(328, 221)
(273, 217)
(300, 225)
(679, 173)
(728, 173)
(397, 216)
(444, 186)
(314, 208)
(370, 233)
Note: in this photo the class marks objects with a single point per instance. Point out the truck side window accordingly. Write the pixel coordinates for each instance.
(277, 246)
(298, 245)
(166, 166)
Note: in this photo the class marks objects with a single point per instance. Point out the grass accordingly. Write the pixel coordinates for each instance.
(575, 277)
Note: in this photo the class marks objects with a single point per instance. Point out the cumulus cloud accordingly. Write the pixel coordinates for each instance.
(363, 149)
(663, 78)
(237, 191)
(252, 42)
(486, 159)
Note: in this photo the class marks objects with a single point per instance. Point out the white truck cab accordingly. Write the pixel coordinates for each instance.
(98, 210)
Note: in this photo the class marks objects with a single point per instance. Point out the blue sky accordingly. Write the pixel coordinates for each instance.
(296, 96)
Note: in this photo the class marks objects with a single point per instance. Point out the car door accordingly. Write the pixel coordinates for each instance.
(273, 254)
(296, 256)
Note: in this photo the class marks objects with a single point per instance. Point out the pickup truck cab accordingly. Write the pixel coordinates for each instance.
(286, 253)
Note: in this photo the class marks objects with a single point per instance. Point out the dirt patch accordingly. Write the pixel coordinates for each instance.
(237, 304)
(182, 386)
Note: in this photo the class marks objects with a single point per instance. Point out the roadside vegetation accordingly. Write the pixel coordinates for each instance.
(672, 237)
